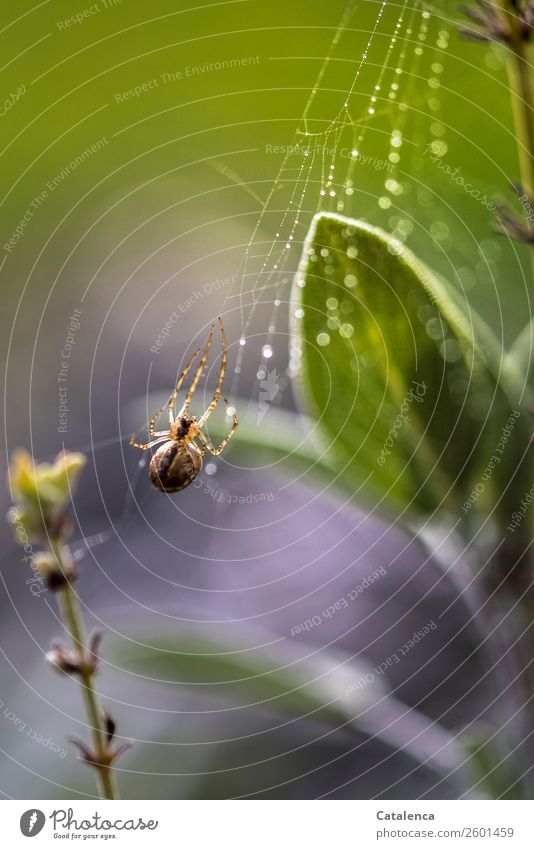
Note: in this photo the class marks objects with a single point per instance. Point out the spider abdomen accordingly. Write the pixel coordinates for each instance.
(174, 466)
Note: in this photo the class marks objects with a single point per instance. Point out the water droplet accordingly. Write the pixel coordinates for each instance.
(331, 303)
(435, 329)
(467, 278)
(325, 252)
(424, 197)
(439, 148)
(267, 352)
(458, 383)
(242, 341)
(405, 226)
(210, 468)
(425, 313)
(450, 350)
(352, 252)
(346, 331)
(299, 313)
(490, 250)
(350, 281)
(437, 129)
(439, 230)
(323, 339)
(384, 202)
(394, 187)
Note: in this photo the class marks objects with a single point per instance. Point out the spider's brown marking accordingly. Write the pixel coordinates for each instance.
(178, 461)
(182, 427)
(174, 466)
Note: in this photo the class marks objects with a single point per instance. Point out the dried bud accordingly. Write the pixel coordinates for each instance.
(108, 755)
(41, 492)
(72, 661)
(64, 660)
(51, 571)
(493, 25)
(110, 725)
(511, 225)
(85, 752)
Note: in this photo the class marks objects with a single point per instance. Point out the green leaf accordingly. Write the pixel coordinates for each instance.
(405, 382)
(285, 678)
(521, 355)
(282, 682)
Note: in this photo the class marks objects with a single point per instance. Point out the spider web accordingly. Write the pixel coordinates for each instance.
(320, 177)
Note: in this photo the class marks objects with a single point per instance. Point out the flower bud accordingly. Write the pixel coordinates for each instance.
(41, 492)
(51, 571)
(75, 661)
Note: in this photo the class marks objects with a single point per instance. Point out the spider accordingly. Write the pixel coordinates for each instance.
(178, 461)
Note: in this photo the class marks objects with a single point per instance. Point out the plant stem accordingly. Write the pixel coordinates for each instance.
(522, 88)
(73, 621)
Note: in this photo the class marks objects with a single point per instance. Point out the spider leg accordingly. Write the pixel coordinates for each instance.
(206, 443)
(144, 446)
(217, 394)
(199, 371)
(152, 423)
(204, 446)
(181, 379)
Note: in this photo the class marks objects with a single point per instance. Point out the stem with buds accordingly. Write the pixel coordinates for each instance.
(41, 494)
(522, 90)
(86, 668)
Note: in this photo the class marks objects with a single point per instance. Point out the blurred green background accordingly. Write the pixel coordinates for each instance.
(150, 215)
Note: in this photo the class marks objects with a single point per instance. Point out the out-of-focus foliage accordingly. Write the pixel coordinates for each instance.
(405, 381)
